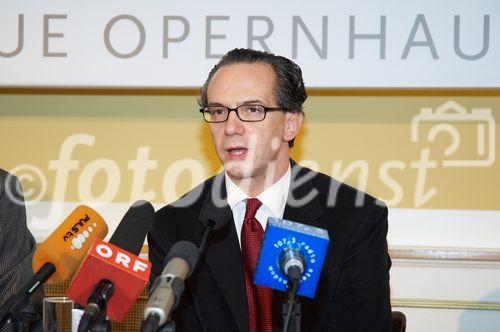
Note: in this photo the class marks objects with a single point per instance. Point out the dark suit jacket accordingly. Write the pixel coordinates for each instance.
(353, 291)
(17, 246)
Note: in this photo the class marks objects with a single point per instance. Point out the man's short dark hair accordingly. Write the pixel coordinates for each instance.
(289, 90)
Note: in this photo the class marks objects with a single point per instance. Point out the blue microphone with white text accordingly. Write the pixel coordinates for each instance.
(291, 248)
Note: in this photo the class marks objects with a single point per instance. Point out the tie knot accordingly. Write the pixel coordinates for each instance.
(253, 204)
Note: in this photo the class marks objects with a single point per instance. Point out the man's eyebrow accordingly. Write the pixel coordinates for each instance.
(253, 101)
(247, 102)
(215, 104)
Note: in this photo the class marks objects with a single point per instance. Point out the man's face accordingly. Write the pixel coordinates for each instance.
(250, 150)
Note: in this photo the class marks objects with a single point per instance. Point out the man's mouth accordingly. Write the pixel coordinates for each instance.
(236, 152)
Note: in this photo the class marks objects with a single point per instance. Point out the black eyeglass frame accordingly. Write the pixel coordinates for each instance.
(229, 110)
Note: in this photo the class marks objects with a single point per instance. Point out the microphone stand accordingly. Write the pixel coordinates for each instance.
(95, 313)
(292, 310)
(102, 324)
(208, 228)
(16, 303)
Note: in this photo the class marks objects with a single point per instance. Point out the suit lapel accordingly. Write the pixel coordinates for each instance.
(302, 206)
(223, 254)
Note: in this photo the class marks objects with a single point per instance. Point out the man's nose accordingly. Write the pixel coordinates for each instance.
(233, 125)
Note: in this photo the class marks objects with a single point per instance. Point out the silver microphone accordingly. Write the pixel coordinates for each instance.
(168, 287)
(292, 264)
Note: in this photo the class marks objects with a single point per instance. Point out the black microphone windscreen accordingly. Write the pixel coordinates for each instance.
(135, 224)
(185, 250)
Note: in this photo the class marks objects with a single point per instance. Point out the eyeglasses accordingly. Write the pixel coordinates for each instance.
(246, 113)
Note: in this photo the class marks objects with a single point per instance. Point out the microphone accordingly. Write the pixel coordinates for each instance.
(210, 225)
(112, 275)
(168, 287)
(292, 256)
(292, 252)
(214, 224)
(58, 257)
(292, 264)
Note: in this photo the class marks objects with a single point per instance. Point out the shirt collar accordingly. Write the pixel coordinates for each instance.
(274, 197)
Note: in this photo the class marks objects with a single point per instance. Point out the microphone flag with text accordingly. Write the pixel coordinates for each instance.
(291, 249)
(112, 275)
(58, 257)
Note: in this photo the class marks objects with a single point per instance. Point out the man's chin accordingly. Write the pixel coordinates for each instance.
(238, 170)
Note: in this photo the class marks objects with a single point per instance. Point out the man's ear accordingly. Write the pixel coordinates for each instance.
(293, 122)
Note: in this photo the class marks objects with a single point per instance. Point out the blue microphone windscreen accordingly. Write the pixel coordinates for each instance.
(281, 234)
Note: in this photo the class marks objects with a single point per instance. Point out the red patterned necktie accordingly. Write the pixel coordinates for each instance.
(260, 298)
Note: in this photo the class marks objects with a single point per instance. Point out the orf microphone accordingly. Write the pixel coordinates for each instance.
(168, 287)
(112, 276)
(291, 251)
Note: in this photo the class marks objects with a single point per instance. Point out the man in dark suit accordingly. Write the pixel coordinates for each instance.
(253, 104)
(17, 246)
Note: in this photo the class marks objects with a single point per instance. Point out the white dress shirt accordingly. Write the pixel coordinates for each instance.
(273, 201)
